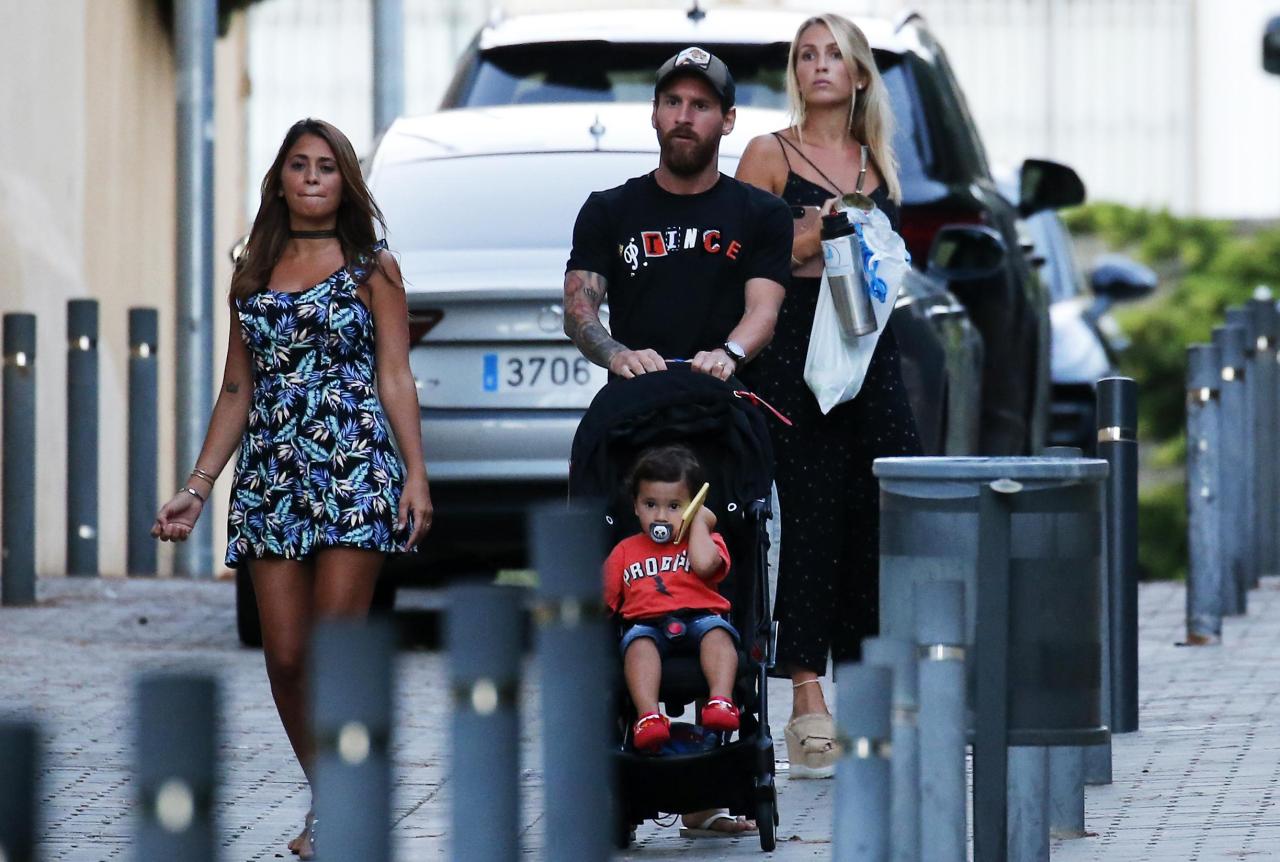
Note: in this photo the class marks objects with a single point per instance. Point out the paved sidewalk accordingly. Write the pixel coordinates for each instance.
(1198, 782)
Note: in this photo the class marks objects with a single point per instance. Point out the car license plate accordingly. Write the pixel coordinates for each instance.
(537, 371)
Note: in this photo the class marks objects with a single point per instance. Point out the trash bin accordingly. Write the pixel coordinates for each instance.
(929, 530)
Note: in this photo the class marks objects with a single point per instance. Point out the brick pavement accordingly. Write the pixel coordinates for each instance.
(1198, 782)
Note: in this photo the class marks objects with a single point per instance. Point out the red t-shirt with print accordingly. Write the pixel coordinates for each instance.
(645, 579)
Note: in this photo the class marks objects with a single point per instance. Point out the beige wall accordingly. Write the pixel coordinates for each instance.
(87, 210)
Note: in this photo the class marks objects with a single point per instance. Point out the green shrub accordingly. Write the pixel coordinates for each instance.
(1205, 266)
(1162, 532)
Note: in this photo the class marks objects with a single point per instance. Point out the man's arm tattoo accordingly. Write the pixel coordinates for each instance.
(584, 292)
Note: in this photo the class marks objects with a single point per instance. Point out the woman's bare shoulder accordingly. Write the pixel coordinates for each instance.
(763, 164)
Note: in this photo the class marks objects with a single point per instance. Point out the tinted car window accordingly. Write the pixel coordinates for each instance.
(608, 72)
(544, 191)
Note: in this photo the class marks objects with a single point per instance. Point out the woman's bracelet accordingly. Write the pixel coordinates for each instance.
(208, 477)
(193, 492)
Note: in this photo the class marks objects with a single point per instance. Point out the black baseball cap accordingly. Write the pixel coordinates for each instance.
(704, 64)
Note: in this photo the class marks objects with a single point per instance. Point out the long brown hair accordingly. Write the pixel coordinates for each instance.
(357, 213)
(870, 115)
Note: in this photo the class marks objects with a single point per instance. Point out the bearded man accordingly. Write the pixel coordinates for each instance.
(694, 263)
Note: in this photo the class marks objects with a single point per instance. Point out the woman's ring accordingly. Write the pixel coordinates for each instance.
(719, 365)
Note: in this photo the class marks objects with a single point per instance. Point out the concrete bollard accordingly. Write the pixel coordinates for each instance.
(352, 694)
(18, 454)
(82, 437)
(1263, 377)
(1233, 474)
(576, 655)
(483, 631)
(899, 654)
(143, 420)
(1204, 575)
(1066, 791)
(939, 627)
(1028, 827)
(19, 790)
(861, 830)
(177, 729)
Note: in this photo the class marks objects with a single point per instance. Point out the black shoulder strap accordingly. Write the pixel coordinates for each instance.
(801, 154)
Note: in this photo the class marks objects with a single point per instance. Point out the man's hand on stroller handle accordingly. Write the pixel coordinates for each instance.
(630, 363)
(717, 363)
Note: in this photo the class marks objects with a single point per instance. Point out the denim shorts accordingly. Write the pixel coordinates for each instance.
(696, 626)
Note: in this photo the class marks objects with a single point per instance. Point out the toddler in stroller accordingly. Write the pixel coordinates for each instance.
(661, 581)
(724, 429)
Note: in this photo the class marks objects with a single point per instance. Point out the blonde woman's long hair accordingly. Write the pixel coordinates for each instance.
(870, 118)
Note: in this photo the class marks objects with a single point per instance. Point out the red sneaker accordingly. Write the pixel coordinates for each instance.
(651, 732)
(720, 714)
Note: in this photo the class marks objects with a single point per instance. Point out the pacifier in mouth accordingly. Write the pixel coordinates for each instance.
(661, 532)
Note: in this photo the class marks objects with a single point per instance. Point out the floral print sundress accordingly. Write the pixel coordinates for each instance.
(317, 466)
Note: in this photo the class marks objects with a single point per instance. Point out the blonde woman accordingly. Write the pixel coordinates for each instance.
(839, 142)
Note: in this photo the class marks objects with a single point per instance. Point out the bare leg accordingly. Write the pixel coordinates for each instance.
(719, 659)
(284, 591)
(345, 579)
(642, 667)
(806, 693)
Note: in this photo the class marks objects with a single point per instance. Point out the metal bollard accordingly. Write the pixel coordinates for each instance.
(1066, 790)
(18, 453)
(19, 790)
(899, 655)
(352, 695)
(862, 803)
(939, 627)
(1066, 762)
(1233, 475)
(143, 420)
(82, 437)
(1263, 374)
(483, 630)
(1118, 446)
(575, 657)
(1028, 829)
(177, 727)
(1240, 316)
(1204, 575)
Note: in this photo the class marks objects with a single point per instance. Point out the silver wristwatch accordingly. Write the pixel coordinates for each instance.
(735, 351)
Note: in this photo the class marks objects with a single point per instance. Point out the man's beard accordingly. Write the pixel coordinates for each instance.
(686, 156)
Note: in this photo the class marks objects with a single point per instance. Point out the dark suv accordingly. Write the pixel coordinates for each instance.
(611, 56)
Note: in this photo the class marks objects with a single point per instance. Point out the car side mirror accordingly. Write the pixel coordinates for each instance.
(966, 252)
(1271, 46)
(1121, 279)
(1045, 185)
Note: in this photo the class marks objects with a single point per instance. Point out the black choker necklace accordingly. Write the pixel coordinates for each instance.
(331, 233)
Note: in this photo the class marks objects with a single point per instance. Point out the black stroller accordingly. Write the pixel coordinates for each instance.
(724, 426)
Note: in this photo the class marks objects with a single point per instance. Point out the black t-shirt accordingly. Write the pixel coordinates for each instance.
(677, 265)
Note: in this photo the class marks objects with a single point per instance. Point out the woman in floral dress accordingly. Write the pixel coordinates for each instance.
(316, 382)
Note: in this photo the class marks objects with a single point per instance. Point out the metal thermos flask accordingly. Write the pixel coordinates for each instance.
(842, 258)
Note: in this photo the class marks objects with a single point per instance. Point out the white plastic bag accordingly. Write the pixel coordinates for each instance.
(835, 366)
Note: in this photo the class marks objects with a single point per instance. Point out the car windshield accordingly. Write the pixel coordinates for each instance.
(511, 200)
(612, 72)
(620, 72)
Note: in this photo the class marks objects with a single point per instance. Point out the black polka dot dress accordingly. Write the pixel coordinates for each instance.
(828, 574)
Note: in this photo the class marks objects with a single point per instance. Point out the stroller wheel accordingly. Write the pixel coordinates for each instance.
(767, 822)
